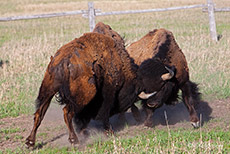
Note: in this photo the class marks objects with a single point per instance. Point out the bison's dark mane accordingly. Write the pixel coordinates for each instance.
(164, 48)
(147, 66)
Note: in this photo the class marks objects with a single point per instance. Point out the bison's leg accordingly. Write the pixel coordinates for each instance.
(81, 124)
(157, 101)
(84, 126)
(104, 112)
(47, 90)
(38, 117)
(136, 113)
(189, 94)
(149, 113)
(68, 116)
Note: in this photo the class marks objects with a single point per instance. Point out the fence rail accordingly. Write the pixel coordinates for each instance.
(91, 14)
(49, 15)
(43, 15)
(226, 9)
(150, 10)
(222, 9)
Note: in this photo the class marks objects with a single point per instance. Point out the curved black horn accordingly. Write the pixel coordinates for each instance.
(169, 75)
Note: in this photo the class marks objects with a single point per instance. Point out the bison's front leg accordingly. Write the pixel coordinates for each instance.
(68, 116)
(81, 124)
(148, 121)
(189, 94)
(136, 113)
(107, 127)
(157, 101)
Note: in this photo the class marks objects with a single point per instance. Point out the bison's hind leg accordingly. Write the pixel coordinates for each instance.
(81, 92)
(45, 96)
(68, 115)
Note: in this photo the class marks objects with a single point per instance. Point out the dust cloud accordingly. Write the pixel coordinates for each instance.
(175, 114)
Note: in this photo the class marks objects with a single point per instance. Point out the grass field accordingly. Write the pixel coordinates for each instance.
(26, 47)
(159, 141)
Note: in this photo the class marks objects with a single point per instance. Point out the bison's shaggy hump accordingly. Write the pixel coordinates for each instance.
(107, 30)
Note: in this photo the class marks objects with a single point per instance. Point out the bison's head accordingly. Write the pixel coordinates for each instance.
(154, 76)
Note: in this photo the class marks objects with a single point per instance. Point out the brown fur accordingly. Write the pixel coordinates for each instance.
(79, 71)
(107, 30)
(160, 40)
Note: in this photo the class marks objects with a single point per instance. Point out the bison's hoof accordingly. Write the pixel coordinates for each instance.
(196, 124)
(109, 132)
(29, 143)
(73, 141)
(85, 132)
(148, 124)
(138, 119)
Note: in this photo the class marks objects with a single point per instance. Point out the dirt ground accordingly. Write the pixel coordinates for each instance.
(53, 131)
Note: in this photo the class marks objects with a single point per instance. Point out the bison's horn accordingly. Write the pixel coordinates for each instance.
(143, 95)
(169, 75)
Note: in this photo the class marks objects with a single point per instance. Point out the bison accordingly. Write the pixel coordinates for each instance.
(161, 44)
(94, 78)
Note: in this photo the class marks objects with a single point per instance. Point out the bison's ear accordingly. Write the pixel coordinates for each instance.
(51, 58)
(167, 76)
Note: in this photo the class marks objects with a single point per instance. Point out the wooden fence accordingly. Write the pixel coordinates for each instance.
(91, 14)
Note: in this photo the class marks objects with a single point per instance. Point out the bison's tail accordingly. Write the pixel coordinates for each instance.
(51, 83)
(194, 93)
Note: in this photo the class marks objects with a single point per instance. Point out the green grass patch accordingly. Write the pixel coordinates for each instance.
(9, 130)
(156, 141)
(174, 141)
(7, 133)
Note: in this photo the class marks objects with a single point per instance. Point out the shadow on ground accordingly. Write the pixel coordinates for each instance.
(175, 114)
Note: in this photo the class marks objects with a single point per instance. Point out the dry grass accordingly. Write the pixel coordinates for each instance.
(28, 44)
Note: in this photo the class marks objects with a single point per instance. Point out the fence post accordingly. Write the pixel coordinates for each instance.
(212, 22)
(91, 16)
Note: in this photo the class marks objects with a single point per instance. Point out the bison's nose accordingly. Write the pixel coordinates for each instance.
(154, 104)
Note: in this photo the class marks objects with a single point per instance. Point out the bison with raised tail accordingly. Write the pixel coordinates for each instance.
(95, 78)
(160, 44)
